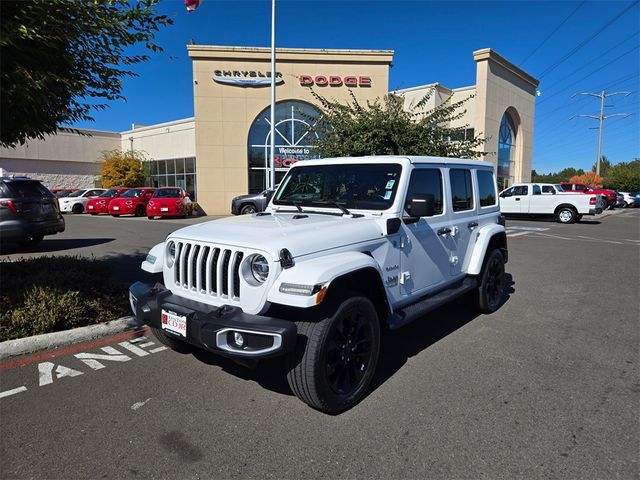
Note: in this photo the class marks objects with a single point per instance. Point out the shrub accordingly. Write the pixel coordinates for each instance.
(48, 294)
(122, 169)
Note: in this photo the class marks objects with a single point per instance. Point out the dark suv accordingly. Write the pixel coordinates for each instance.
(28, 211)
(252, 203)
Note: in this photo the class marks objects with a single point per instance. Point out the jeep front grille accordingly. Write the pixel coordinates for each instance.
(208, 270)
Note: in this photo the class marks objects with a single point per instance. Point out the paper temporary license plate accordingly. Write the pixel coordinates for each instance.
(116, 208)
(164, 209)
(174, 323)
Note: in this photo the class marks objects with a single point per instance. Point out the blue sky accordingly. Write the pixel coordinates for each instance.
(589, 50)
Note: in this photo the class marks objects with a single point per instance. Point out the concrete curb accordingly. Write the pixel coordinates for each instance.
(20, 346)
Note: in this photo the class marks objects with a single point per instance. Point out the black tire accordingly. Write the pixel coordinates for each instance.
(115, 214)
(30, 241)
(579, 217)
(490, 292)
(567, 215)
(141, 211)
(248, 208)
(77, 208)
(325, 373)
(94, 214)
(171, 342)
(605, 204)
(151, 217)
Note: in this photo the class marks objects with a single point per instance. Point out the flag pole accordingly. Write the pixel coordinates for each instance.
(272, 168)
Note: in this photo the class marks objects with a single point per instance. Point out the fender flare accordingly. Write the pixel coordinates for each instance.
(484, 236)
(156, 267)
(318, 271)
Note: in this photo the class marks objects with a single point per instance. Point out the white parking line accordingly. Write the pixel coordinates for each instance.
(12, 392)
(517, 234)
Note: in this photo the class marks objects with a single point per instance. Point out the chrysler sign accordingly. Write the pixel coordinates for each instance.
(245, 78)
(334, 81)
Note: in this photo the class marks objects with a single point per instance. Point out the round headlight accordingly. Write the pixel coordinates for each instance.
(171, 253)
(259, 268)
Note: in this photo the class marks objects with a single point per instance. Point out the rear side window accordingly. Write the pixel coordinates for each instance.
(427, 181)
(27, 189)
(461, 191)
(486, 188)
(547, 189)
(536, 189)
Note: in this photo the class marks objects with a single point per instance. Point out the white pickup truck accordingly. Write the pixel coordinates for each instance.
(546, 199)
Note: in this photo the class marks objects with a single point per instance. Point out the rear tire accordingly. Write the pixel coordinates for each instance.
(140, 211)
(566, 215)
(579, 217)
(332, 370)
(151, 217)
(173, 343)
(115, 214)
(77, 208)
(94, 214)
(605, 204)
(491, 289)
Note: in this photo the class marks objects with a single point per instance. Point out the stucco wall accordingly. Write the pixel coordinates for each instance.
(163, 141)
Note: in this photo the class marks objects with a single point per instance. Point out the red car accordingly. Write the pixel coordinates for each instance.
(132, 202)
(169, 202)
(100, 204)
(609, 197)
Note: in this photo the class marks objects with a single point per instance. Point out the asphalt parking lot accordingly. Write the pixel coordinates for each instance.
(547, 387)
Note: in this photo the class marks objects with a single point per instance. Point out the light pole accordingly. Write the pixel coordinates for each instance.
(272, 167)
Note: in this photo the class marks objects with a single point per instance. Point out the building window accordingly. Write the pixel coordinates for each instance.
(506, 150)
(292, 142)
(173, 172)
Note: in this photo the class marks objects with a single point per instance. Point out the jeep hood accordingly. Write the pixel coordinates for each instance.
(271, 233)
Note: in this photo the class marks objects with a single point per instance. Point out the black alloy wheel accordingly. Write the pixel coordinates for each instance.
(335, 357)
(348, 353)
(490, 292)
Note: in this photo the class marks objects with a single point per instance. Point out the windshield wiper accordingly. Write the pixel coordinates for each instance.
(339, 206)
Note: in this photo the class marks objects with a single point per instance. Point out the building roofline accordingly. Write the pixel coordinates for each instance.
(436, 85)
(159, 125)
(88, 131)
(331, 51)
(489, 54)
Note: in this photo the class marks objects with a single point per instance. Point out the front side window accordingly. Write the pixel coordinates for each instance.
(109, 193)
(486, 188)
(362, 186)
(548, 189)
(461, 190)
(521, 190)
(426, 181)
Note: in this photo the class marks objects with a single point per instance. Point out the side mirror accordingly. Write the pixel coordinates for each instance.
(421, 205)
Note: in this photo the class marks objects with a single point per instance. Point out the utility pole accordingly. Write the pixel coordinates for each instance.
(602, 95)
(272, 167)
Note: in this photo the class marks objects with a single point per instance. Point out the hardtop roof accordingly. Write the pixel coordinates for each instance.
(403, 159)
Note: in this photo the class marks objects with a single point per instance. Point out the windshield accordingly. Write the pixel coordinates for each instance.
(77, 193)
(109, 193)
(131, 194)
(167, 193)
(357, 186)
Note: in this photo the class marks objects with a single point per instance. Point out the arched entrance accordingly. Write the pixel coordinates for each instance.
(506, 150)
(292, 142)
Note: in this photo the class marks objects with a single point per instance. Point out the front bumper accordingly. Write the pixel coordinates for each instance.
(212, 328)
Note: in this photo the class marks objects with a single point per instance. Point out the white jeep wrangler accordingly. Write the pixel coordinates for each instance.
(346, 247)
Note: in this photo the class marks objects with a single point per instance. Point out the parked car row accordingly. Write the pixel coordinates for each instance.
(139, 202)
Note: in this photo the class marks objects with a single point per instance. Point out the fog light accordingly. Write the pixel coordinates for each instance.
(238, 339)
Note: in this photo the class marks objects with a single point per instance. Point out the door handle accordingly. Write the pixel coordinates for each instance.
(472, 225)
(444, 231)
(517, 199)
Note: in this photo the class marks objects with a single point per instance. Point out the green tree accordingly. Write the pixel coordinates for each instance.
(61, 59)
(605, 165)
(624, 177)
(555, 177)
(385, 127)
(122, 169)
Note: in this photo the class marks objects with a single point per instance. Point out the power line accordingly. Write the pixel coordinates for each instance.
(602, 95)
(590, 74)
(592, 60)
(552, 33)
(587, 40)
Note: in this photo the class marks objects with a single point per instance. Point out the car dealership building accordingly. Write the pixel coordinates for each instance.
(223, 150)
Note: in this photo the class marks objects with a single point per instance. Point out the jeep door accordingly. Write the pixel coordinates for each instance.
(463, 217)
(424, 257)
